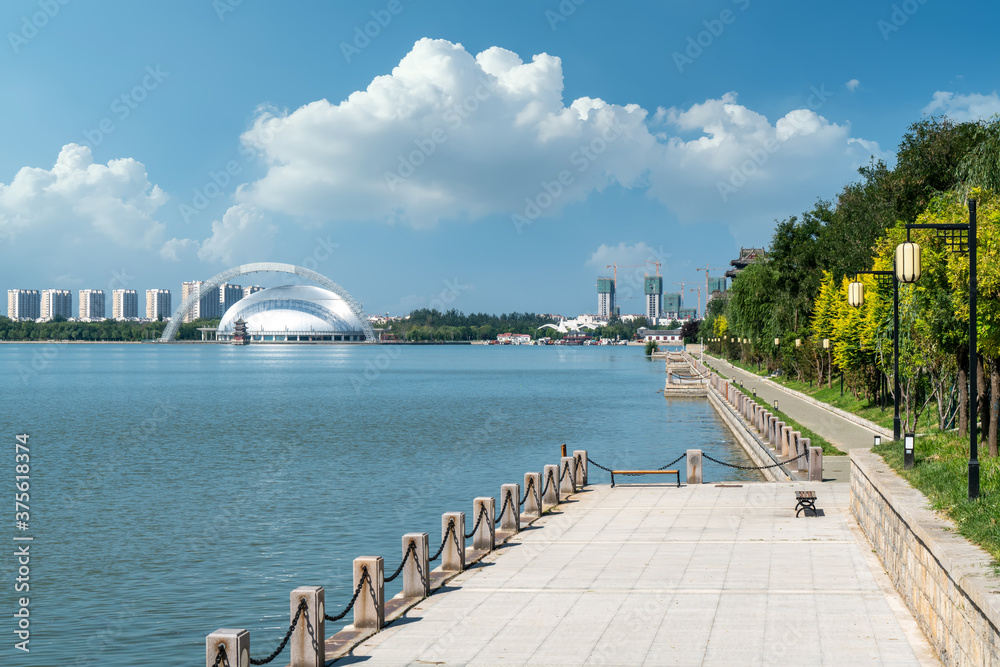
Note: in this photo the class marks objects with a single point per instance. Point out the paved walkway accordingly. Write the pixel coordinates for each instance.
(845, 434)
(657, 575)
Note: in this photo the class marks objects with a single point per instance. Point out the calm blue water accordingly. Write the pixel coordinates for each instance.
(183, 488)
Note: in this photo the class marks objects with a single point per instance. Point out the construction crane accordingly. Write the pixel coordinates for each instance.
(698, 290)
(706, 269)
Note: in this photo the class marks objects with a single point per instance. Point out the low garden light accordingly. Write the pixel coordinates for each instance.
(878, 440)
(908, 450)
(856, 294)
(908, 262)
(776, 404)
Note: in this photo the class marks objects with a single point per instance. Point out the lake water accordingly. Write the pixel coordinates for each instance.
(178, 489)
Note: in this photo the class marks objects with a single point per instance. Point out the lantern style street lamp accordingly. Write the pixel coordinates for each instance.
(856, 298)
(959, 237)
(777, 341)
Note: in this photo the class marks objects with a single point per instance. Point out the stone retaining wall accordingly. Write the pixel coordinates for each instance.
(946, 581)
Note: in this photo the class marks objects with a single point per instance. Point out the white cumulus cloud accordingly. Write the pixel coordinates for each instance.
(245, 233)
(448, 135)
(962, 108)
(77, 197)
(852, 85)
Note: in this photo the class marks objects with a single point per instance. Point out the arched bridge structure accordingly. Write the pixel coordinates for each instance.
(257, 267)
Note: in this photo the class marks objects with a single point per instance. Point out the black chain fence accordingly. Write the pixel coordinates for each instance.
(738, 467)
(412, 549)
(527, 490)
(221, 659)
(448, 533)
(354, 598)
(281, 647)
(479, 519)
(506, 504)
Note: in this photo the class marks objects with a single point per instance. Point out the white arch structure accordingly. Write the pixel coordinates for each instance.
(256, 267)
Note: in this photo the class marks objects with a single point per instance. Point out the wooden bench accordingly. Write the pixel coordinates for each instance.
(645, 472)
(806, 500)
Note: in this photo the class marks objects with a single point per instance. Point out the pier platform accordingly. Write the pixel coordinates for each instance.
(650, 574)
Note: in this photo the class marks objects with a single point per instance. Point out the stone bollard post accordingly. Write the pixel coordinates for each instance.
(794, 444)
(815, 464)
(533, 489)
(779, 431)
(510, 505)
(308, 642)
(694, 466)
(567, 470)
(453, 556)
(485, 536)
(236, 643)
(581, 467)
(804, 446)
(550, 484)
(786, 439)
(416, 572)
(369, 608)
(771, 423)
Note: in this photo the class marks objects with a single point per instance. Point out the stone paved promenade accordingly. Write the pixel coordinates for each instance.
(656, 575)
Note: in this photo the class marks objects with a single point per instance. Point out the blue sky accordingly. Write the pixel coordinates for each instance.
(145, 144)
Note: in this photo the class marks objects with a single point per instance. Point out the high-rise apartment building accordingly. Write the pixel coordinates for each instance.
(653, 288)
(56, 302)
(229, 294)
(252, 289)
(208, 303)
(124, 304)
(606, 297)
(91, 304)
(157, 304)
(23, 304)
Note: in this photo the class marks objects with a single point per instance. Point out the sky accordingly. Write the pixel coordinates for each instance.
(488, 156)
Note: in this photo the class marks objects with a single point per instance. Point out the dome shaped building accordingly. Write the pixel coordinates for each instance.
(293, 314)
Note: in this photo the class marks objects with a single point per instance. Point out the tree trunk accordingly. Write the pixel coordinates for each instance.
(994, 399)
(984, 405)
(963, 391)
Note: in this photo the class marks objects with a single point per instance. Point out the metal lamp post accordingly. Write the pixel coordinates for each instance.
(856, 298)
(959, 237)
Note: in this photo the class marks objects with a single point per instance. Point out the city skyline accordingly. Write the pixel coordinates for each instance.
(480, 157)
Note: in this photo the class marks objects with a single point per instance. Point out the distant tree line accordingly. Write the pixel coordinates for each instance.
(108, 330)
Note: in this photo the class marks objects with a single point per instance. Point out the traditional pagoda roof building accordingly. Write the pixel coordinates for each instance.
(747, 255)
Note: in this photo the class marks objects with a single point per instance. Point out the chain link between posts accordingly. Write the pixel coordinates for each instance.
(410, 550)
(354, 598)
(448, 533)
(503, 508)
(479, 519)
(291, 628)
(773, 465)
(221, 659)
(527, 490)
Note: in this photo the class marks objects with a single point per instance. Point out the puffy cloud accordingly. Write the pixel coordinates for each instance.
(76, 197)
(446, 135)
(450, 135)
(852, 85)
(624, 253)
(962, 108)
(177, 249)
(244, 234)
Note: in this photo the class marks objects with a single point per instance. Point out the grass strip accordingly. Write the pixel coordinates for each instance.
(815, 439)
(940, 472)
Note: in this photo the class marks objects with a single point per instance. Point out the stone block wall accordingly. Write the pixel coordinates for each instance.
(946, 581)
